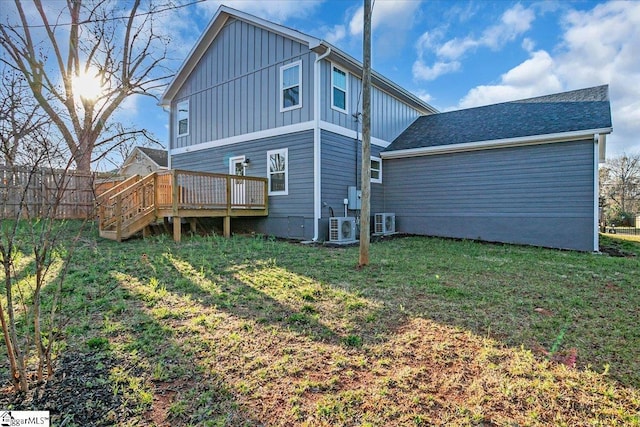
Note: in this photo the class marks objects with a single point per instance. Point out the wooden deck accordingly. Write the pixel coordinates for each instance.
(136, 203)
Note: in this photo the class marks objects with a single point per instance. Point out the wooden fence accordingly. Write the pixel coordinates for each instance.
(28, 193)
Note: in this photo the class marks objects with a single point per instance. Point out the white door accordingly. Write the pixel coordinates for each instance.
(238, 190)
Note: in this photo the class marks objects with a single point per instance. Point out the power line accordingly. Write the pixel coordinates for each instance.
(114, 18)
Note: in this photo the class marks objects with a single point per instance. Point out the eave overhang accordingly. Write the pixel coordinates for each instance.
(497, 143)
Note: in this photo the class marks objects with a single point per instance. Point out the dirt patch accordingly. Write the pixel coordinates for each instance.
(616, 252)
(78, 394)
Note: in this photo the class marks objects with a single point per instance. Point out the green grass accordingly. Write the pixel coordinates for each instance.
(251, 330)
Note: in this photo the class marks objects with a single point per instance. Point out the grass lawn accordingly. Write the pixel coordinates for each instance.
(252, 331)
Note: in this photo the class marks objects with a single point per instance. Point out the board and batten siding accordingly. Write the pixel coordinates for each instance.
(340, 170)
(235, 87)
(289, 215)
(540, 195)
(389, 116)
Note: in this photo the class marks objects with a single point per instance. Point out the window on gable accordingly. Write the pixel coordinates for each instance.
(278, 171)
(291, 86)
(339, 89)
(183, 118)
(376, 169)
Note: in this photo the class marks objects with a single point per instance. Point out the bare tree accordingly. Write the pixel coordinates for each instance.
(27, 330)
(620, 186)
(112, 45)
(21, 119)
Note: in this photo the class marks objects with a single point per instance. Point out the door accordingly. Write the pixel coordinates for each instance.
(237, 166)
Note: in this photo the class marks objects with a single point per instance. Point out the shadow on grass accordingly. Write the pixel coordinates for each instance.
(161, 374)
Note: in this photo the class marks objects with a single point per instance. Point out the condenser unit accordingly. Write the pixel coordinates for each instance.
(342, 229)
(384, 223)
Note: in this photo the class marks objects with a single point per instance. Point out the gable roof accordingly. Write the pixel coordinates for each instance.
(224, 13)
(568, 114)
(159, 157)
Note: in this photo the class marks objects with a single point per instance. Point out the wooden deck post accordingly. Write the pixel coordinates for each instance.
(177, 229)
(177, 226)
(226, 227)
(192, 225)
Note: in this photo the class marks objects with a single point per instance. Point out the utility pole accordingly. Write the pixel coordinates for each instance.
(366, 139)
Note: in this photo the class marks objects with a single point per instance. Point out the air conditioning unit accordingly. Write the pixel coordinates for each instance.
(342, 229)
(384, 223)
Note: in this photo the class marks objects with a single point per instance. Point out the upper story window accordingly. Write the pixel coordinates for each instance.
(339, 89)
(291, 86)
(182, 117)
(376, 169)
(278, 171)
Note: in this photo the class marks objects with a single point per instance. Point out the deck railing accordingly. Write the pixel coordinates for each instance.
(134, 203)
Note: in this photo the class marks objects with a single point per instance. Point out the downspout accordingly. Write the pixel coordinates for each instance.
(596, 192)
(168, 111)
(317, 205)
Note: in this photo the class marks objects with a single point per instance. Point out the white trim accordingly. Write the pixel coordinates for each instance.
(282, 88)
(596, 195)
(317, 145)
(346, 90)
(496, 143)
(330, 127)
(235, 159)
(284, 192)
(283, 130)
(379, 179)
(178, 134)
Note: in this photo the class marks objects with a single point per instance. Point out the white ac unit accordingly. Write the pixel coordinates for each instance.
(342, 229)
(384, 223)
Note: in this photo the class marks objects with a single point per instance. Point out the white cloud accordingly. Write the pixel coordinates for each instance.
(425, 96)
(599, 46)
(421, 71)
(528, 44)
(394, 14)
(513, 23)
(335, 34)
(533, 77)
(273, 10)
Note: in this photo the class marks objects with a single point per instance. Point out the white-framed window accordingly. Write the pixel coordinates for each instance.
(376, 169)
(339, 89)
(182, 118)
(291, 86)
(278, 171)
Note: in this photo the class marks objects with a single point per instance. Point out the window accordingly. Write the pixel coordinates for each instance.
(376, 169)
(339, 89)
(183, 118)
(278, 171)
(290, 86)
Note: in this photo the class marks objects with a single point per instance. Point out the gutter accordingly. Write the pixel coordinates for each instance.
(496, 143)
(317, 206)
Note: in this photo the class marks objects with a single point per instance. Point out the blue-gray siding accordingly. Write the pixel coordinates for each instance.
(389, 116)
(539, 195)
(286, 212)
(235, 88)
(339, 171)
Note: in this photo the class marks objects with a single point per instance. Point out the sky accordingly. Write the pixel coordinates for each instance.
(454, 54)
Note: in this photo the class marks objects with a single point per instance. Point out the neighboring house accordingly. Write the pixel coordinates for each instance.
(261, 99)
(143, 160)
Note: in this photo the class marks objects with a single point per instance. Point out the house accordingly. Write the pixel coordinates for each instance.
(144, 160)
(261, 99)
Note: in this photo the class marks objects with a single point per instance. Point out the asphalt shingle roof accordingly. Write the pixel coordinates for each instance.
(577, 110)
(158, 156)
